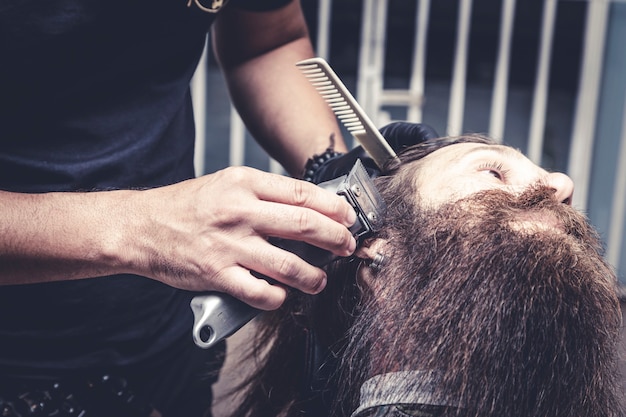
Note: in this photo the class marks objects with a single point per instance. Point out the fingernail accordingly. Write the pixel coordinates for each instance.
(320, 287)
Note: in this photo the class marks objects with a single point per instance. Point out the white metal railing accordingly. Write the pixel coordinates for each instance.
(579, 167)
(459, 74)
(198, 96)
(501, 79)
(618, 218)
(372, 95)
(540, 96)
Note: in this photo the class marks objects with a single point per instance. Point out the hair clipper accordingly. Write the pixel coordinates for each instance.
(219, 315)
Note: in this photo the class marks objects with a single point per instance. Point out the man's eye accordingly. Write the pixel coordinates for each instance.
(494, 169)
(494, 173)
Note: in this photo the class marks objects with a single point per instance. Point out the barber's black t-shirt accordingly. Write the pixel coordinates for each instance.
(93, 96)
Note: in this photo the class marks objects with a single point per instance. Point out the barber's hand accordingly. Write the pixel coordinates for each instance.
(399, 135)
(208, 233)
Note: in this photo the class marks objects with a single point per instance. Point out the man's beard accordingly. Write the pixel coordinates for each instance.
(506, 299)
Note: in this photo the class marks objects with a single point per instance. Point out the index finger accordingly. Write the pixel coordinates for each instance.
(281, 189)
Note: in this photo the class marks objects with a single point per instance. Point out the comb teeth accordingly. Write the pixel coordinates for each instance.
(330, 90)
(347, 110)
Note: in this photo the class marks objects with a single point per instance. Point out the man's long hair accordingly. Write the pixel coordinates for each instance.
(514, 322)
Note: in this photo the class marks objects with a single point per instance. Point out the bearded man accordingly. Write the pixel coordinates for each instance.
(485, 294)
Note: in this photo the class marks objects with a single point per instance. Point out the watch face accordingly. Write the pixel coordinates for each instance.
(211, 6)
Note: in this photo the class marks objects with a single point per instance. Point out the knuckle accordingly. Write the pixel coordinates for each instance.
(312, 283)
(220, 278)
(341, 238)
(300, 193)
(286, 267)
(304, 222)
(237, 174)
(223, 217)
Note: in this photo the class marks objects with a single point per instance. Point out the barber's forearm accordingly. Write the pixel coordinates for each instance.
(281, 109)
(283, 112)
(60, 236)
(202, 234)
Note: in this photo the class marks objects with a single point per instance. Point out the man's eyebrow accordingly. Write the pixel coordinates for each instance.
(502, 150)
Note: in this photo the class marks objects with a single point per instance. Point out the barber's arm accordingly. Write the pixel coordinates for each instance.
(207, 233)
(258, 53)
(201, 234)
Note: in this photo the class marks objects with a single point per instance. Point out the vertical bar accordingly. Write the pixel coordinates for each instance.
(198, 98)
(457, 93)
(418, 73)
(276, 167)
(540, 95)
(501, 81)
(363, 71)
(237, 139)
(618, 208)
(371, 59)
(323, 28)
(585, 116)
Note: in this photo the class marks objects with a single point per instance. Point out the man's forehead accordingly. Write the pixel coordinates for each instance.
(461, 169)
(451, 157)
(463, 150)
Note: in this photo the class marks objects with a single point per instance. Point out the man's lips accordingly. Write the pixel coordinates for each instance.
(535, 221)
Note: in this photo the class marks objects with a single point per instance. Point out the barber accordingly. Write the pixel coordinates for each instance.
(104, 233)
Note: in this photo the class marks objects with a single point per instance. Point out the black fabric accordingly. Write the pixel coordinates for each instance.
(94, 95)
(179, 382)
(176, 383)
(257, 5)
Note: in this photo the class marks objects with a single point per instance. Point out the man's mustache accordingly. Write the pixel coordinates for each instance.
(534, 210)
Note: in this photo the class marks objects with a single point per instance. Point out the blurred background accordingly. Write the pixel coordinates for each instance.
(545, 76)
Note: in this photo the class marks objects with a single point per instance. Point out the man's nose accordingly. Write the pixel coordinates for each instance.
(563, 185)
